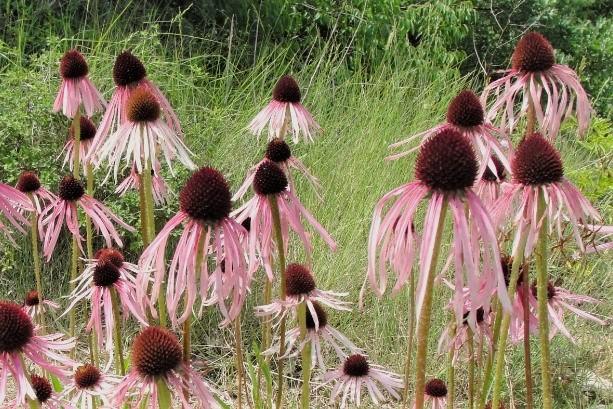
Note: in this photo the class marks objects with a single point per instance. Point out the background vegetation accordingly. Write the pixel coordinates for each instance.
(372, 72)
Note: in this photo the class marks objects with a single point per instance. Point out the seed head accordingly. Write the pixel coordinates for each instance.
(42, 388)
(286, 90)
(87, 376)
(71, 189)
(489, 176)
(537, 162)
(447, 162)
(269, 179)
(105, 274)
(465, 110)
(110, 255)
(356, 365)
(142, 106)
(155, 352)
(28, 182)
(278, 151)
(87, 129)
(206, 196)
(128, 69)
(16, 328)
(73, 65)
(32, 298)
(533, 53)
(436, 388)
(322, 316)
(298, 280)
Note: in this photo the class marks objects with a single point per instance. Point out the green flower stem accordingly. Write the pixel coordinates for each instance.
(423, 326)
(89, 170)
(489, 365)
(36, 260)
(187, 325)
(527, 358)
(144, 231)
(76, 147)
(471, 368)
(164, 395)
(276, 222)
(450, 366)
(74, 267)
(306, 358)
(408, 366)
(238, 340)
(119, 360)
(541, 295)
(518, 260)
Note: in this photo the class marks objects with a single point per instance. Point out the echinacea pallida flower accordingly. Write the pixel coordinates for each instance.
(160, 189)
(535, 75)
(129, 73)
(205, 204)
(86, 137)
(435, 394)
(537, 167)
(157, 357)
(465, 115)
(489, 185)
(446, 169)
(29, 184)
(280, 153)
(456, 342)
(270, 181)
(12, 204)
(355, 373)
(139, 139)
(63, 209)
(34, 306)
(76, 88)
(106, 272)
(87, 384)
(46, 397)
(19, 343)
(285, 112)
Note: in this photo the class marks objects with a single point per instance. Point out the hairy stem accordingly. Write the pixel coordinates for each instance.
(489, 364)
(423, 326)
(119, 360)
(74, 267)
(471, 368)
(451, 366)
(164, 395)
(240, 375)
(36, 260)
(305, 396)
(410, 342)
(88, 221)
(527, 358)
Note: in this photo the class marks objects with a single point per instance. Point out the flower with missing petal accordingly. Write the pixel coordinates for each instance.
(76, 88)
(285, 112)
(535, 76)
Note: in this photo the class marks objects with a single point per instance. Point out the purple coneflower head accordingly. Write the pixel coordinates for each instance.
(499, 176)
(269, 179)
(70, 189)
(278, 151)
(128, 70)
(87, 376)
(205, 204)
(34, 305)
(42, 388)
(142, 106)
(285, 113)
(465, 110)
(537, 162)
(110, 255)
(89, 383)
(299, 280)
(435, 394)
(533, 53)
(447, 162)
(534, 77)
(16, 327)
(28, 182)
(32, 299)
(87, 131)
(76, 88)
(319, 316)
(105, 274)
(357, 372)
(157, 356)
(488, 187)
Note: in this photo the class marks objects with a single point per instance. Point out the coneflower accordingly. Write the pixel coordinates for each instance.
(63, 209)
(129, 73)
(270, 182)
(76, 88)
(34, 306)
(356, 373)
(19, 343)
(12, 205)
(535, 78)
(87, 131)
(205, 204)
(465, 115)
(279, 152)
(160, 190)
(160, 375)
(29, 184)
(456, 342)
(141, 136)
(435, 394)
(46, 398)
(489, 185)
(285, 111)
(89, 384)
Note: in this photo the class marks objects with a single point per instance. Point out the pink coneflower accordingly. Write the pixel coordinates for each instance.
(205, 204)
(560, 300)
(488, 187)
(446, 169)
(455, 343)
(537, 167)
(300, 287)
(86, 137)
(139, 139)
(18, 342)
(535, 75)
(435, 394)
(285, 110)
(465, 115)
(34, 306)
(88, 383)
(160, 189)
(280, 153)
(12, 205)
(45, 396)
(157, 357)
(269, 182)
(318, 336)
(76, 88)
(29, 184)
(108, 271)
(129, 73)
(356, 372)
(63, 209)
